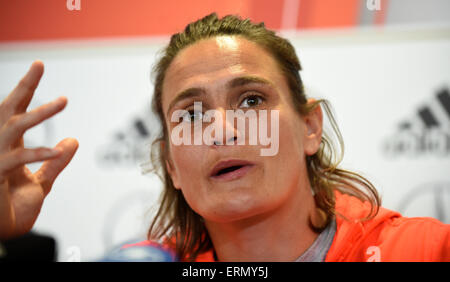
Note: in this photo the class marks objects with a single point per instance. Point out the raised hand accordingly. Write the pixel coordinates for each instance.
(22, 192)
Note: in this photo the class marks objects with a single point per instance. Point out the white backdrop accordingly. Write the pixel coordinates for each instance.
(375, 80)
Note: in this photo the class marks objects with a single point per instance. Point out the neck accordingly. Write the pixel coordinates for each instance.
(282, 234)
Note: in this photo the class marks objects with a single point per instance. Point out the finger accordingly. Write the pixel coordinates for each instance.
(16, 126)
(18, 144)
(19, 99)
(19, 157)
(50, 169)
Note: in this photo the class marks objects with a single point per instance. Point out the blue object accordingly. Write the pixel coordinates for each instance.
(146, 253)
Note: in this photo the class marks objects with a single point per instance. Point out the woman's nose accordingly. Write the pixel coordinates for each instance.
(229, 134)
(232, 140)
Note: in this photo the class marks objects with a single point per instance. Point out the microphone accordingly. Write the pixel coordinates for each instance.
(148, 252)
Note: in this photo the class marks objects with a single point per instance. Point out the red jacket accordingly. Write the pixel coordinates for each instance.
(386, 237)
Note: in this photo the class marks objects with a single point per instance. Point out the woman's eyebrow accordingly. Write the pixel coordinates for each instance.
(244, 80)
(186, 94)
(248, 79)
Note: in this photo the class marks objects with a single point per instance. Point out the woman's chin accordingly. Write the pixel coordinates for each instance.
(227, 212)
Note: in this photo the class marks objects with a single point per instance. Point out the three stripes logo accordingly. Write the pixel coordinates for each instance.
(426, 133)
(131, 144)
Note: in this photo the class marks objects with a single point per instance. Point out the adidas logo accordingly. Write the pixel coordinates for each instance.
(129, 145)
(426, 133)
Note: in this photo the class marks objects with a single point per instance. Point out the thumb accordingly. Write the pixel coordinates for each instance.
(50, 169)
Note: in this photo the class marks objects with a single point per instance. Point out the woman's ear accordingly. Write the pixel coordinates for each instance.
(313, 129)
(169, 166)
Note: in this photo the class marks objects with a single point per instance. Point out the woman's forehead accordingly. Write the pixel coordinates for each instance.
(220, 52)
(217, 59)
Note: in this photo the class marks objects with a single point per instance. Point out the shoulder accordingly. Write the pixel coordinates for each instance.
(415, 239)
(388, 236)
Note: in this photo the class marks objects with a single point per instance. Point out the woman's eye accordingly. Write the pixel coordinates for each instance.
(251, 101)
(192, 116)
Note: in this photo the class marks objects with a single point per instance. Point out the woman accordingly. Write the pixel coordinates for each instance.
(223, 200)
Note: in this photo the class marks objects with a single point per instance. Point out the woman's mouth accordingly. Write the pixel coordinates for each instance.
(230, 170)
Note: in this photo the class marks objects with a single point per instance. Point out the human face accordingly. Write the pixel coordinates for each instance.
(207, 69)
